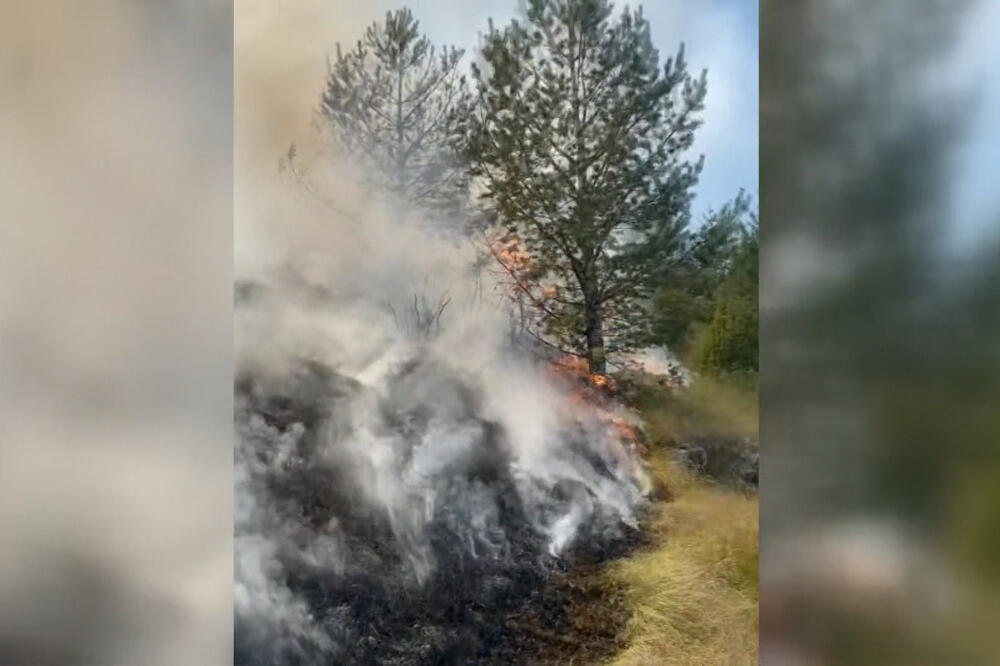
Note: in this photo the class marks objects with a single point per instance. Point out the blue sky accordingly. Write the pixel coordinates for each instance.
(720, 35)
(971, 70)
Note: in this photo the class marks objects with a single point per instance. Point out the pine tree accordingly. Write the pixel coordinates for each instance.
(729, 341)
(686, 290)
(578, 138)
(391, 104)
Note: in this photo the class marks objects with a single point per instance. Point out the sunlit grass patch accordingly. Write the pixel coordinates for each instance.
(712, 406)
(693, 592)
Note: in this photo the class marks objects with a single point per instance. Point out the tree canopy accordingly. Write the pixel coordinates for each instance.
(390, 103)
(579, 138)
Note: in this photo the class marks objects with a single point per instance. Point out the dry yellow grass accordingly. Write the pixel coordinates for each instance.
(693, 593)
(712, 406)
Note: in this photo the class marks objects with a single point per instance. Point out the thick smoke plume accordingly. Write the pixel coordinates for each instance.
(404, 480)
(115, 332)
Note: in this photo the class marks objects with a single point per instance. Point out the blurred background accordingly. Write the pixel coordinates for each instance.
(880, 487)
(116, 332)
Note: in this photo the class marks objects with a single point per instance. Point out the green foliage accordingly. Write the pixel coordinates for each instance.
(676, 307)
(391, 105)
(729, 342)
(687, 288)
(578, 138)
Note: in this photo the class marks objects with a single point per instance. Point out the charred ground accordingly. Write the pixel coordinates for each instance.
(490, 591)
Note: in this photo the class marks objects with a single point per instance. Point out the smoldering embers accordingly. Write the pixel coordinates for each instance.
(398, 520)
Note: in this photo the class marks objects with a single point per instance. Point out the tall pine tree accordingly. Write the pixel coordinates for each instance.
(391, 104)
(579, 139)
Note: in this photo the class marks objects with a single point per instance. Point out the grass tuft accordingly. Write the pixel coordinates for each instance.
(692, 592)
(724, 406)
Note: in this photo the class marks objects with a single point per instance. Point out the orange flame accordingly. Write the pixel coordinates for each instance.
(595, 393)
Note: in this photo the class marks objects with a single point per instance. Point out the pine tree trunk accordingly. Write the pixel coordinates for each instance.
(595, 332)
(595, 348)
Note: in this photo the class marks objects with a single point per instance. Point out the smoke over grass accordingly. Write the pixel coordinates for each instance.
(403, 478)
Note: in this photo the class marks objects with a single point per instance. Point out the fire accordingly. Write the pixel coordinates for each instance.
(602, 381)
(508, 251)
(574, 369)
(626, 431)
(597, 394)
(516, 266)
(569, 366)
(594, 392)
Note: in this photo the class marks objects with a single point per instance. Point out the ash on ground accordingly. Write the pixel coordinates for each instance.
(399, 523)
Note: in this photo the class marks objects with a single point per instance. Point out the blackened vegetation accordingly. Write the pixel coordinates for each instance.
(732, 462)
(578, 618)
(466, 578)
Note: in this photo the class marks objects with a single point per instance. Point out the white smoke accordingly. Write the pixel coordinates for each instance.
(401, 472)
(403, 319)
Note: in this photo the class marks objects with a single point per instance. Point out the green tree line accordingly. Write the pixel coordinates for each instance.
(573, 142)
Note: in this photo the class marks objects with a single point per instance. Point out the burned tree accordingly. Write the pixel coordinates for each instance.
(579, 138)
(390, 103)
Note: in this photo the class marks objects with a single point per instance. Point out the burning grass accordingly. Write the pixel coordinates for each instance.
(403, 519)
(412, 520)
(688, 594)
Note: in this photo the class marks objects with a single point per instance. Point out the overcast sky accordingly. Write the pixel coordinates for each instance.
(720, 35)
